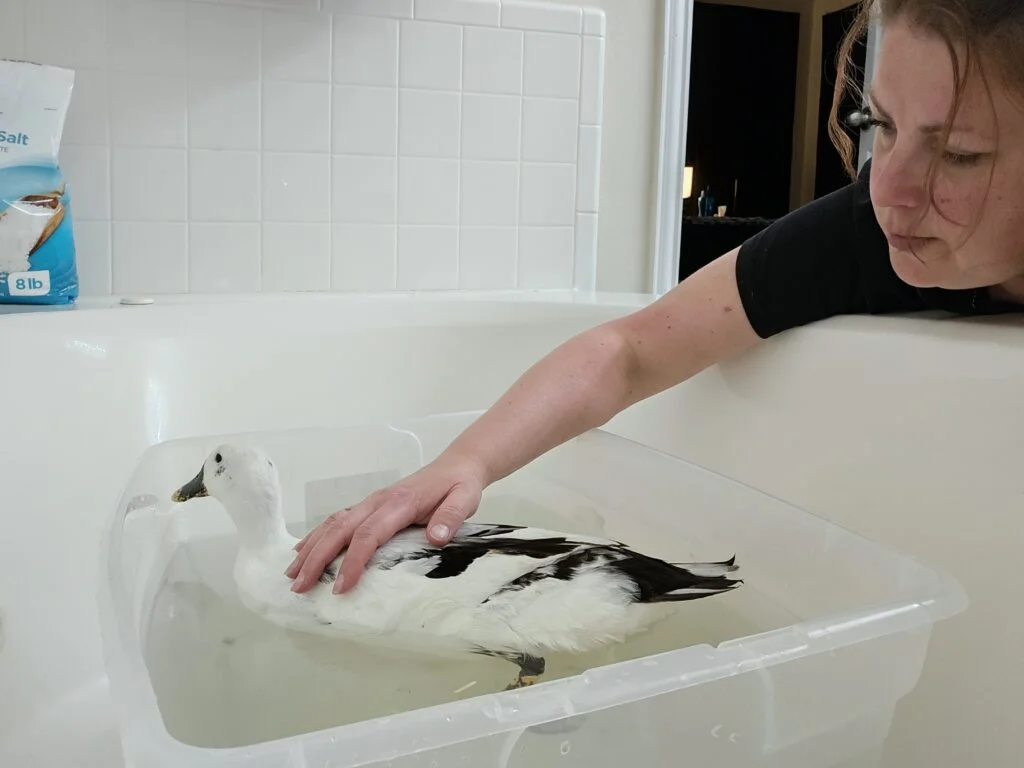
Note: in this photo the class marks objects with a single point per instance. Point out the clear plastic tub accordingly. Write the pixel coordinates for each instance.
(801, 666)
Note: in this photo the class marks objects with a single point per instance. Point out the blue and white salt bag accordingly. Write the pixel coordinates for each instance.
(37, 244)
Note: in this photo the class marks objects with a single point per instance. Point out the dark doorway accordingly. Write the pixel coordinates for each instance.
(829, 172)
(741, 104)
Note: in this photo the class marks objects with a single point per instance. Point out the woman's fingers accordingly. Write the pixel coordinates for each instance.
(316, 531)
(304, 547)
(304, 539)
(451, 513)
(396, 513)
(330, 538)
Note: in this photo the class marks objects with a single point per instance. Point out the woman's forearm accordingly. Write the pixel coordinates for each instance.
(578, 386)
(590, 378)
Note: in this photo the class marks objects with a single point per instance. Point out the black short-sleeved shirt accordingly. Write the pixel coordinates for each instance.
(830, 257)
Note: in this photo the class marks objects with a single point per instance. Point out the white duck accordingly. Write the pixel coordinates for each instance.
(506, 591)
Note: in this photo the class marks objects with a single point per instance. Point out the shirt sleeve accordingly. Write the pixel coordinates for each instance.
(828, 257)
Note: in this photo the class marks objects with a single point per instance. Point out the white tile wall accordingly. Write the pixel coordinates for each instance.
(314, 145)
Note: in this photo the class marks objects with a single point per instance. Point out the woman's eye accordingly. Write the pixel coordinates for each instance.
(864, 119)
(881, 125)
(961, 158)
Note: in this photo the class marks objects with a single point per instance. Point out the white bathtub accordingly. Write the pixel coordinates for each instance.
(905, 430)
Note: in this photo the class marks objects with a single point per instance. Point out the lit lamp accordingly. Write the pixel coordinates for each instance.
(687, 184)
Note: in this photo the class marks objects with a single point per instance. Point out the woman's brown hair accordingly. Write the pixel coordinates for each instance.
(987, 33)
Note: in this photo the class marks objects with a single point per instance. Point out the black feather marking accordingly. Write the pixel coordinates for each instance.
(480, 539)
(528, 664)
(730, 563)
(329, 575)
(499, 529)
(562, 569)
(554, 570)
(654, 580)
(457, 556)
(381, 562)
(659, 582)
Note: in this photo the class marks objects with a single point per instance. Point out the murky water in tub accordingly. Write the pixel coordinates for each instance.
(224, 677)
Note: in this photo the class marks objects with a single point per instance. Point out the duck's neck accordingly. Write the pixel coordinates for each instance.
(260, 523)
(268, 535)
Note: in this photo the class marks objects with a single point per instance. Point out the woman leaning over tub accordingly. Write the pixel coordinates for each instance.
(936, 221)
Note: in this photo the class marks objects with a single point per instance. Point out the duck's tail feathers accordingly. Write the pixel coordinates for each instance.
(696, 580)
(710, 570)
(697, 591)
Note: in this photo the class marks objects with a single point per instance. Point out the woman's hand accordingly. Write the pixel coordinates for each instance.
(442, 494)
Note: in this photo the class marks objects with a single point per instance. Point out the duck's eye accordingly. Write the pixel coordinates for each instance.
(217, 458)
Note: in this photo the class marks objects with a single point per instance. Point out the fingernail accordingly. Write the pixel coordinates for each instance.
(439, 532)
(299, 584)
(339, 585)
(292, 570)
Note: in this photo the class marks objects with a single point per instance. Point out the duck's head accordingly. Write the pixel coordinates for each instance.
(244, 480)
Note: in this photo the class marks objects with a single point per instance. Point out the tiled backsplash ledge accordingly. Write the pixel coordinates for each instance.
(367, 145)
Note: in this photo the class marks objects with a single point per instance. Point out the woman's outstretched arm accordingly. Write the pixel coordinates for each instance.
(578, 386)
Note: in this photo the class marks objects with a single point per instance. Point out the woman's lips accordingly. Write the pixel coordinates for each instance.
(906, 243)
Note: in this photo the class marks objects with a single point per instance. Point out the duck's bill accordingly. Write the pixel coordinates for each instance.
(193, 489)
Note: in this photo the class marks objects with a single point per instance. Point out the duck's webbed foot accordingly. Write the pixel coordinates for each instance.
(530, 670)
(530, 667)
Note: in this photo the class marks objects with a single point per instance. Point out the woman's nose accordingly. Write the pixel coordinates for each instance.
(898, 180)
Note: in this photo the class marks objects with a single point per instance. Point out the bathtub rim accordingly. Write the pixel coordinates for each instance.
(509, 296)
(929, 324)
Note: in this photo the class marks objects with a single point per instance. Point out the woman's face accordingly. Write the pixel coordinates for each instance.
(970, 233)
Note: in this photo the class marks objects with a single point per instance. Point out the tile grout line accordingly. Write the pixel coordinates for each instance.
(189, 288)
(573, 282)
(396, 239)
(261, 170)
(459, 162)
(519, 158)
(109, 82)
(330, 154)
